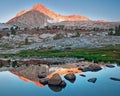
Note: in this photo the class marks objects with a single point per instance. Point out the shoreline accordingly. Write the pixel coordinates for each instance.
(30, 72)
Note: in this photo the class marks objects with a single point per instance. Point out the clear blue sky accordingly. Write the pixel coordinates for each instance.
(93, 9)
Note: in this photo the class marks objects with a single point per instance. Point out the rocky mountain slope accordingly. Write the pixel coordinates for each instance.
(40, 16)
(31, 19)
(87, 24)
(42, 9)
(4, 26)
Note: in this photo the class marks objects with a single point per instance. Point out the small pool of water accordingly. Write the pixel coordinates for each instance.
(11, 85)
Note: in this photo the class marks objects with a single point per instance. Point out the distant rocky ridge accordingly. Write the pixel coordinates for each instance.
(88, 24)
(40, 16)
(42, 9)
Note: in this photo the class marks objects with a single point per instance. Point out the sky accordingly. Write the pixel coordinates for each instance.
(93, 9)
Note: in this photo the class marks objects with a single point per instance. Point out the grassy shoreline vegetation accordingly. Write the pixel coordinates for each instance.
(104, 54)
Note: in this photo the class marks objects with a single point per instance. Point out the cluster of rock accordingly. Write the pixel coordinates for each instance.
(91, 67)
(46, 41)
(54, 81)
(14, 41)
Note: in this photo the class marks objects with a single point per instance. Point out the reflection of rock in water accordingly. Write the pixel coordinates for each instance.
(32, 71)
(55, 88)
(72, 81)
(115, 79)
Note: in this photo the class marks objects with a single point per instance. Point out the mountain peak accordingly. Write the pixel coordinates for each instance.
(41, 8)
(21, 13)
(38, 7)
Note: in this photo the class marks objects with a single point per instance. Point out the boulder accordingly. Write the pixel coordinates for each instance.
(42, 75)
(92, 67)
(70, 76)
(93, 80)
(109, 65)
(115, 79)
(55, 80)
(44, 81)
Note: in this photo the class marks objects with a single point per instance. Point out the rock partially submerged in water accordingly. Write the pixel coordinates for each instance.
(92, 67)
(44, 81)
(93, 80)
(55, 80)
(56, 83)
(70, 76)
(115, 79)
(109, 65)
(82, 75)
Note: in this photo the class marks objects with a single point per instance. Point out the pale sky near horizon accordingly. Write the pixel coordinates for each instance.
(93, 9)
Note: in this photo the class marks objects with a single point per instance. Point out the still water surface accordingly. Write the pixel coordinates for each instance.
(11, 85)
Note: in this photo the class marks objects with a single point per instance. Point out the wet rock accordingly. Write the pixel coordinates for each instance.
(110, 66)
(70, 76)
(42, 75)
(115, 79)
(92, 67)
(55, 80)
(63, 84)
(44, 81)
(93, 80)
(82, 75)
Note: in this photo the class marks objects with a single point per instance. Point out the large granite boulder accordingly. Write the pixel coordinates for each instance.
(55, 80)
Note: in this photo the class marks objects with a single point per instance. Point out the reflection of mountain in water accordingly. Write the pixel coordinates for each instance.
(30, 73)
